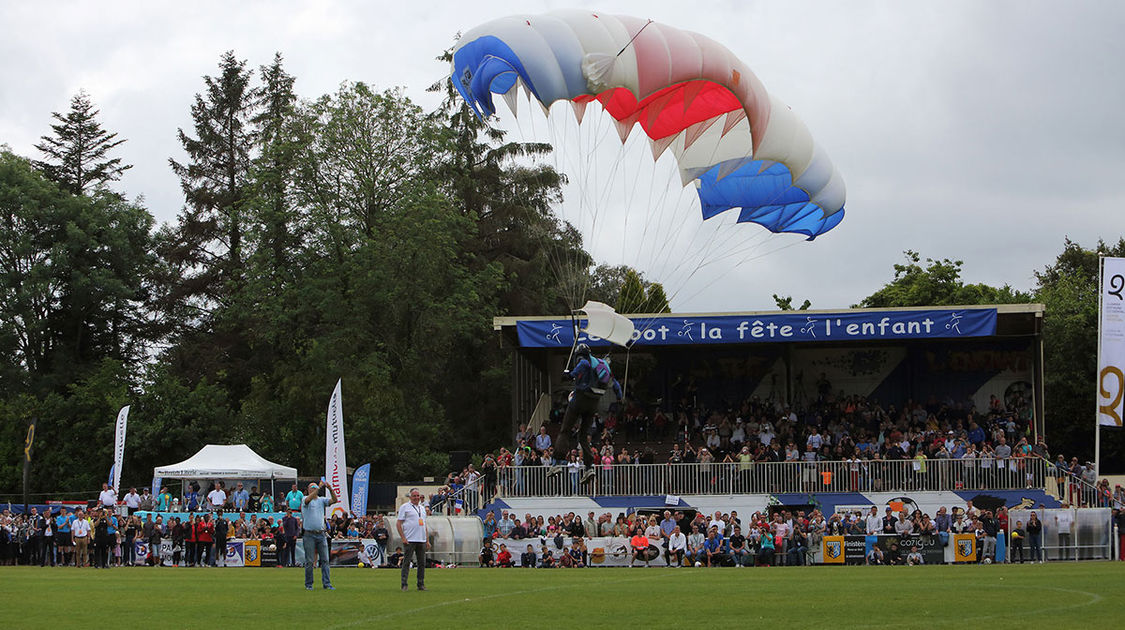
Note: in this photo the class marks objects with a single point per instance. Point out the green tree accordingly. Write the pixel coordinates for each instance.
(72, 269)
(631, 298)
(937, 284)
(77, 152)
(786, 303)
(1068, 289)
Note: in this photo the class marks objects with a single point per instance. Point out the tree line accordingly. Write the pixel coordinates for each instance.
(350, 235)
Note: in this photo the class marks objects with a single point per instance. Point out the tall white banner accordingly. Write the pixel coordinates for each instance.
(335, 461)
(119, 446)
(1111, 344)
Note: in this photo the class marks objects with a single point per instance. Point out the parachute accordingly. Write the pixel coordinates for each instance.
(743, 148)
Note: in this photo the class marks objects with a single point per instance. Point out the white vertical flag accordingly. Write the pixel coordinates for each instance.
(119, 446)
(335, 460)
(1111, 344)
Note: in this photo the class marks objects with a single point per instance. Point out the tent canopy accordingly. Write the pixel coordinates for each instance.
(226, 461)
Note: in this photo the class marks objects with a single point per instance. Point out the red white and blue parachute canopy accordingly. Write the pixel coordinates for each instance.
(743, 147)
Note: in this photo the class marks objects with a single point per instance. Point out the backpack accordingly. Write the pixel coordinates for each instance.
(602, 376)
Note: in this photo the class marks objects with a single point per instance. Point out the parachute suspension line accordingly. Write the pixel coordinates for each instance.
(745, 260)
(630, 43)
(625, 387)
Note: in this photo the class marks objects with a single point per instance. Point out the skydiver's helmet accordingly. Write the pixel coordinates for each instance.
(583, 351)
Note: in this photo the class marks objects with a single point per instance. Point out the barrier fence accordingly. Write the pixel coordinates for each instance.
(771, 477)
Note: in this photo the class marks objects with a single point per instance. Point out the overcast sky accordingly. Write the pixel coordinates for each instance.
(982, 131)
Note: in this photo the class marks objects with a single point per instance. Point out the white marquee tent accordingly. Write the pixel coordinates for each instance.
(226, 461)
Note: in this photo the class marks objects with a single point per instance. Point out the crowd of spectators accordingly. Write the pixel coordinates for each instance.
(104, 535)
(991, 444)
(773, 538)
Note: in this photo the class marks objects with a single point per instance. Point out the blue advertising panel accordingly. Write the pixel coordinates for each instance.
(783, 327)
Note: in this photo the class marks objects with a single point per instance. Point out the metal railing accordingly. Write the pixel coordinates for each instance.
(772, 478)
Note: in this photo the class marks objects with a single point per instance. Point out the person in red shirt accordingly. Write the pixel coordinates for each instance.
(504, 557)
(189, 540)
(205, 539)
(639, 543)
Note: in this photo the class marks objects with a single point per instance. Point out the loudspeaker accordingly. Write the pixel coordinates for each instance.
(459, 460)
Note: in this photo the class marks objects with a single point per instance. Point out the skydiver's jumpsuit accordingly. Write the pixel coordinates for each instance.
(582, 405)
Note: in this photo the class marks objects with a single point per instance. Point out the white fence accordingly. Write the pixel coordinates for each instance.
(770, 477)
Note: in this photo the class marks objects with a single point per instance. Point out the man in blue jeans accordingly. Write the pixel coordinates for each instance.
(314, 539)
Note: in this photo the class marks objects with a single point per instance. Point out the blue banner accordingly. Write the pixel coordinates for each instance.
(156, 487)
(359, 489)
(110, 482)
(787, 326)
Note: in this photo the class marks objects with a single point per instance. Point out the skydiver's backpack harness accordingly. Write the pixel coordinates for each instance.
(601, 377)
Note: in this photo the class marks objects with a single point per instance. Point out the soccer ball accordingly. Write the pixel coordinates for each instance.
(361, 565)
(698, 564)
(988, 561)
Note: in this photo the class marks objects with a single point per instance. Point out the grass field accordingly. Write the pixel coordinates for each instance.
(1054, 595)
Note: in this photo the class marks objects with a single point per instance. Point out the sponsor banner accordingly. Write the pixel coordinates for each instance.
(764, 328)
(964, 548)
(359, 489)
(335, 458)
(252, 553)
(119, 446)
(156, 488)
(166, 552)
(235, 553)
(140, 550)
(833, 549)
(1111, 344)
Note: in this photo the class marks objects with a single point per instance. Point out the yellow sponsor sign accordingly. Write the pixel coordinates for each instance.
(833, 549)
(964, 548)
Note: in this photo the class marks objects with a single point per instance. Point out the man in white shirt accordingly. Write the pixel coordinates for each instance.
(217, 497)
(677, 544)
(412, 532)
(1064, 522)
(80, 533)
(132, 500)
(874, 522)
(108, 496)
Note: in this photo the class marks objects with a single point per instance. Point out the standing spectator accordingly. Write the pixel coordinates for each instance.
(147, 500)
(191, 544)
(63, 538)
(266, 504)
(204, 539)
(101, 540)
(132, 501)
(254, 502)
(217, 498)
(874, 524)
(222, 526)
(240, 497)
(1035, 536)
(164, 500)
(412, 531)
(991, 527)
(81, 530)
(1018, 534)
(290, 527)
(543, 440)
(294, 498)
(132, 528)
(695, 547)
(314, 538)
(107, 497)
(154, 537)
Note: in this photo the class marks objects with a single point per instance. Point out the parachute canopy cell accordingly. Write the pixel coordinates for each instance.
(743, 147)
(602, 321)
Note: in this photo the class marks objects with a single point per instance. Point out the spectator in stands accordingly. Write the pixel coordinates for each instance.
(639, 546)
(695, 547)
(991, 528)
(875, 556)
(737, 546)
(677, 547)
(765, 540)
(1035, 536)
(713, 548)
(914, 557)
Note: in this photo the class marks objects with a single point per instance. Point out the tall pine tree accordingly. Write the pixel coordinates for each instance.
(77, 152)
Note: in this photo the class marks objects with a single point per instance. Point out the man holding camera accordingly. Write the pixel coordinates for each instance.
(313, 507)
